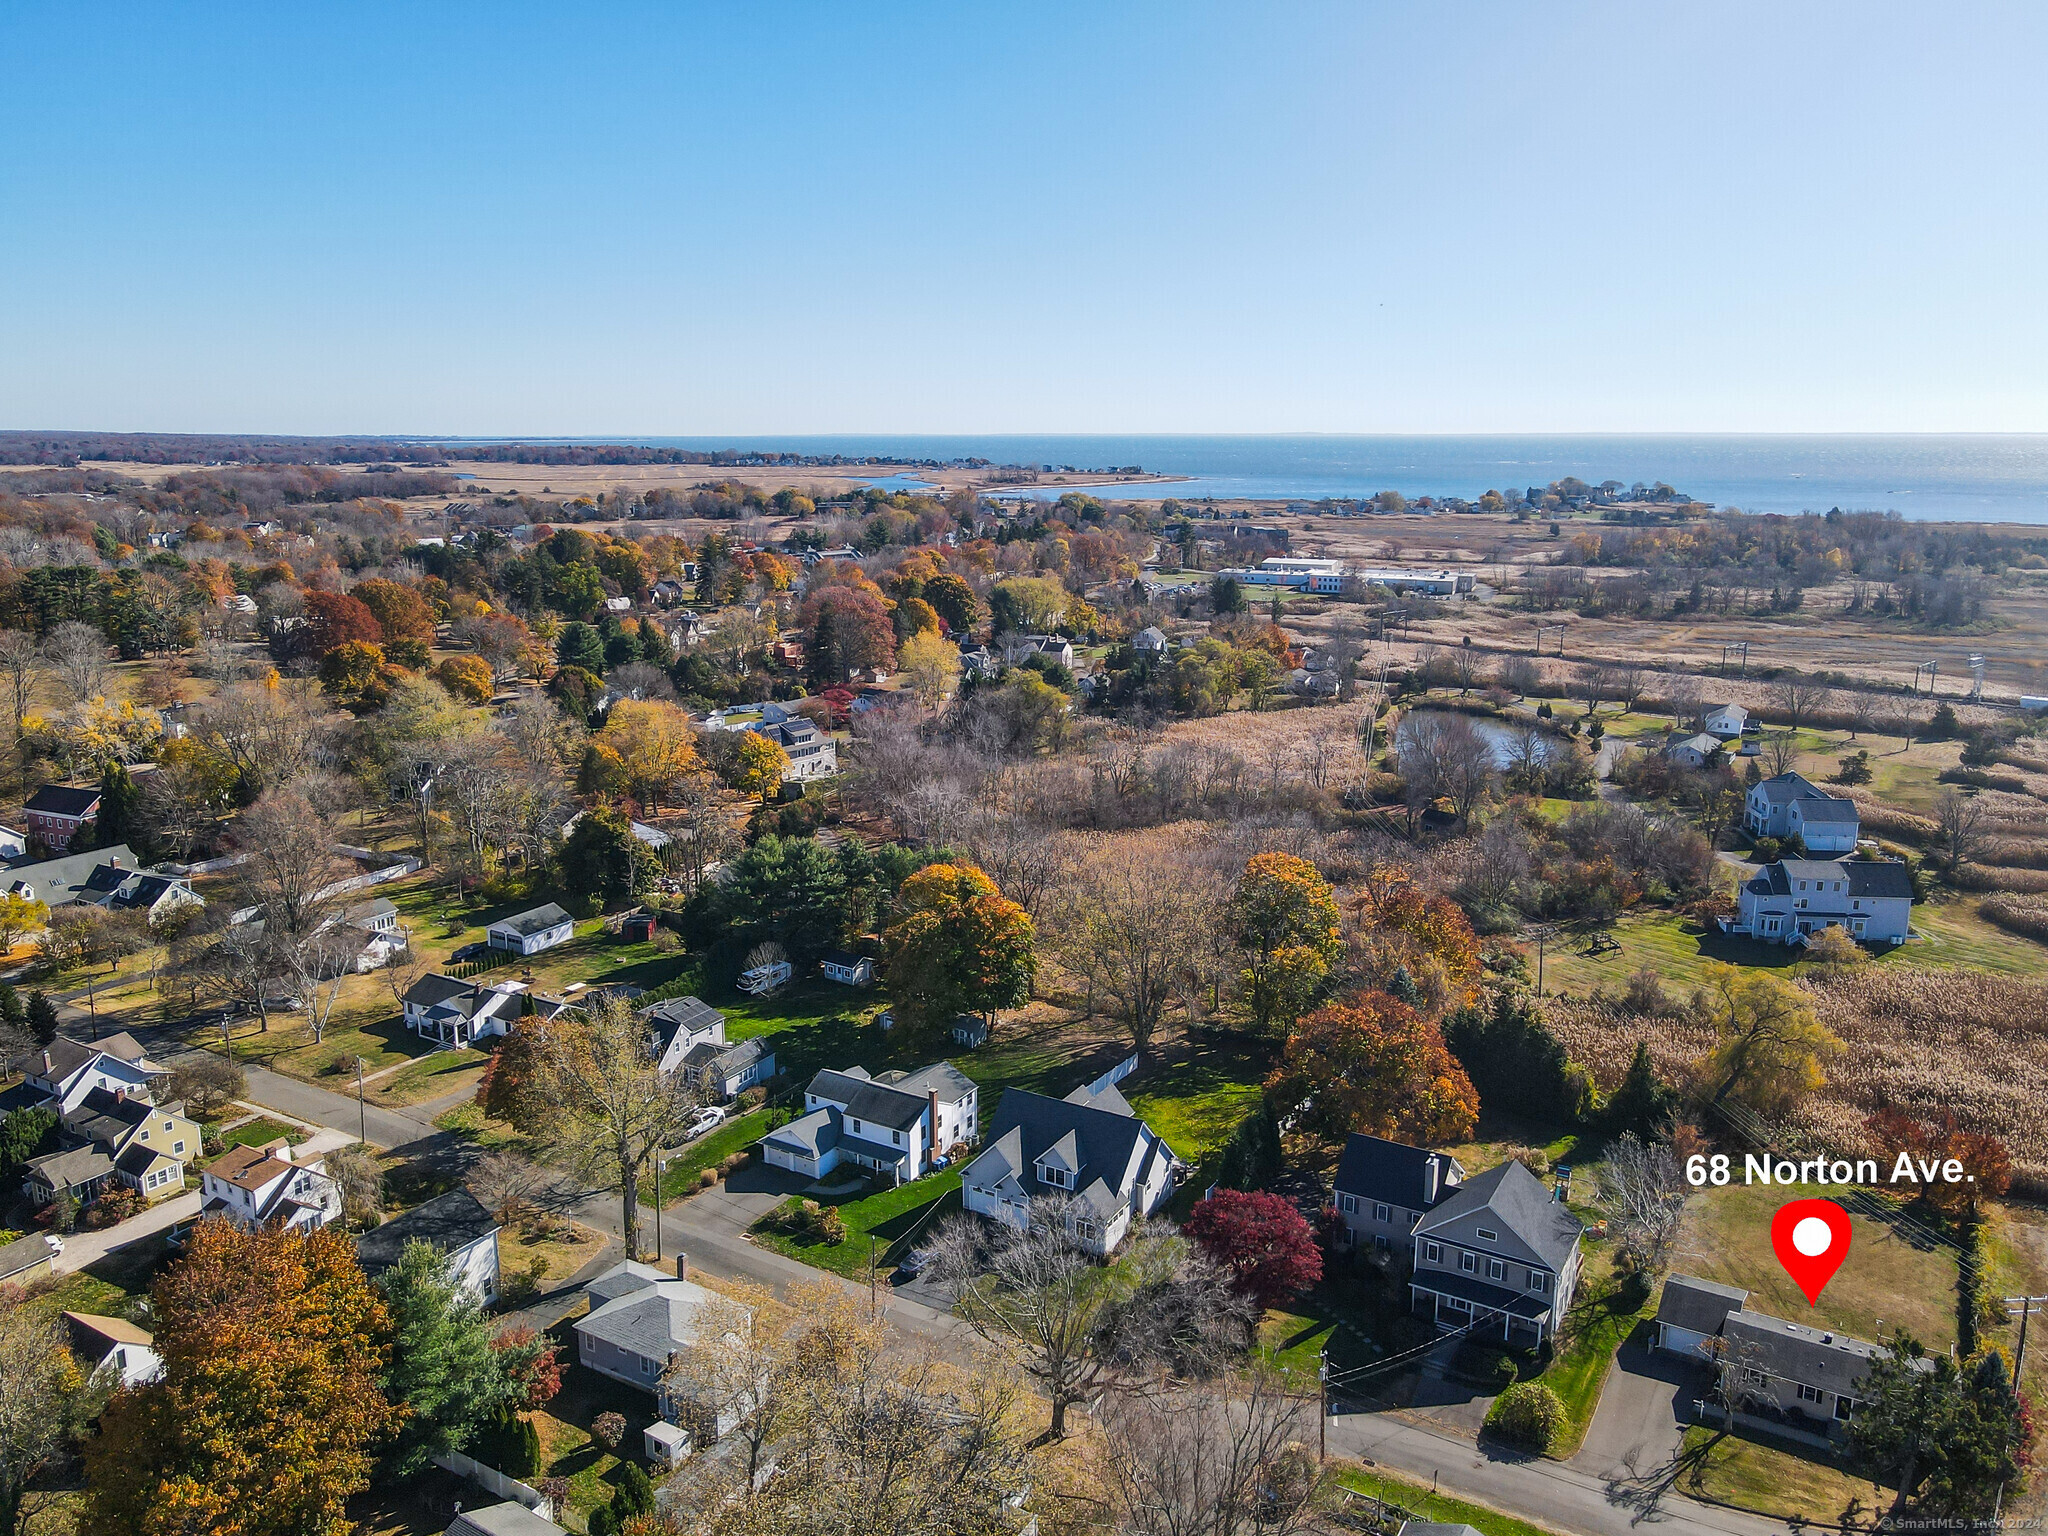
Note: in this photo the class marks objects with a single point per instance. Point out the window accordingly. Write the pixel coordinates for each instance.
(856, 1125)
(1379, 1212)
(1538, 1281)
(1469, 1262)
(1431, 1252)
(1379, 1241)
(179, 1148)
(1495, 1270)
(1086, 1229)
(1488, 1237)
(1810, 1394)
(646, 1366)
(1844, 1406)
(896, 1137)
(1348, 1204)
(1057, 1177)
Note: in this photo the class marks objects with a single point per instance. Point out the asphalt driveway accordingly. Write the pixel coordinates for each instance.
(1637, 1428)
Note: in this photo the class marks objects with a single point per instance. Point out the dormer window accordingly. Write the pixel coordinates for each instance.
(1059, 1178)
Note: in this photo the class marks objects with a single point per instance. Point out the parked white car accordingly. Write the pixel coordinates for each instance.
(709, 1118)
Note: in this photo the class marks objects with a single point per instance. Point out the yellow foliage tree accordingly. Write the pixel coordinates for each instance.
(931, 663)
(1769, 1048)
(655, 745)
(758, 765)
(466, 677)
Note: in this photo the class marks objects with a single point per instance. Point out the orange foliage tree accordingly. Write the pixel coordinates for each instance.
(958, 945)
(466, 677)
(1398, 925)
(269, 1408)
(1284, 920)
(1373, 1064)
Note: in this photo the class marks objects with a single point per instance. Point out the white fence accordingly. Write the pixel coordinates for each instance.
(497, 1482)
(1115, 1074)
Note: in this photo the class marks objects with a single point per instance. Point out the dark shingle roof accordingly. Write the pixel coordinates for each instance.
(1699, 1306)
(449, 1222)
(665, 1018)
(869, 1102)
(432, 990)
(539, 920)
(64, 799)
(1106, 1144)
(58, 881)
(1827, 808)
(1793, 1352)
(1862, 877)
(1791, 786)
(1398, 1174)
(1517, 1198)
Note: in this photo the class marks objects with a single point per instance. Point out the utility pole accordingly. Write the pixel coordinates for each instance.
(871, 1277)
(657, 1207)
(1323, 1394)
(362, 1114)
(2022, 1307)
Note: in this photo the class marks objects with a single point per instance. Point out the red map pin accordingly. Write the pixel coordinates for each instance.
(1811, 1238)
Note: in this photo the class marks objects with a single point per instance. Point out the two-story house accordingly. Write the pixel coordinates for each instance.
(259, 1186)
(149, 1144)
(55, 812)
(724, 1072)
(1789, 901)
(1384, 1188)
(893, 1125)
(60, 881)
(118, 888)
(1500, 1256)
(1792, 805)
(1089, 1151)
(459, 1013)
(63, 1072)
(812, 753)
(1727, 721)
(640, 1318)
(678, 1025)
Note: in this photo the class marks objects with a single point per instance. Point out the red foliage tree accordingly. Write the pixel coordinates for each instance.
(846, 628)
(333, 619)
(530, 1364)
(1933, 1142)
(1261, 1239)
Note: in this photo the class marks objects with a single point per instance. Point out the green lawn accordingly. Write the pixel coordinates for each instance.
(1890, 1279)
(1789, 1481)
(431, 1077)
(892, 1219)
(254, 1133)
(566, 1444)
(1195, 1099)
(1421, 1503)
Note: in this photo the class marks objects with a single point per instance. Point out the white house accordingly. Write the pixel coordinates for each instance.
(1785, 902)
(1090, 1150)
(528, 933)
(258, 1186)
(119, 888)
(678, 1025)
(849, 970)
(1726, 721)
(895, 1124)
(459, 1013)
(65, 1071)
(812, 753)
(1052, 647)
(113, 1350)
(460, 1230)
(1150, 643)
(1693, 751)
(1791, 805)
(1501, 1256)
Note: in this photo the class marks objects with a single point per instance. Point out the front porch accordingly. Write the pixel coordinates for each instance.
(1449, 1301)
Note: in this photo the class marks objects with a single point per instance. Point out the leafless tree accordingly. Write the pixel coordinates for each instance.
(1127, 919)
(77, 655)
(21, 670)
(1629, 678)
(1687, 696)
(1592, 684)
(1520, 675)
(206, 1085)
(44, 1409)
(1863, 711)
(1961, 834)
(617, 1107)
(545, 739)
(1036, 1292)
(505, 1184)
(1443, 755)
(1530, 751)
(1780, 752)
(179, 802)
(1227, 1459)
(477, 789)
(1465, 668)
(1800, 698)
(1324, 745)
(1645, 1190)
(699, 826)
(641, 680)
(289, 862)
(361, 1181)
(271, 734)
(1501, 861)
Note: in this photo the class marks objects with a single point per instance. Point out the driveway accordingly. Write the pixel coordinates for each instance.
(1637, 1428)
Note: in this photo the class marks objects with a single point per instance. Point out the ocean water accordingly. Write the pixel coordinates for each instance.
(2001, 478)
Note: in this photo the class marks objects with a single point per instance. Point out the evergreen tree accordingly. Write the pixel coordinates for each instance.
(1513, 1059)
(1641, 1104)
(1752, 775)
(635, 1494)
(119, 799)
(42, 1017)
(12, 1013)
(1251, 1158)
(442, 1365)
(1402, 985)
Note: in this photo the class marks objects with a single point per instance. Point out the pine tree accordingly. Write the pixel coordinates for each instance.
(1402, 985)
(1752, 775)
(1641, 1103)
(635, 1495)
(12, 1013)
(118, 801)
(42, 1017)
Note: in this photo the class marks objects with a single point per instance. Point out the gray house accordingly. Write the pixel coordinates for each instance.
(726, 1071)
(1383, 1189)
(1501, 1254)
(1790, 804)
(1785, 902)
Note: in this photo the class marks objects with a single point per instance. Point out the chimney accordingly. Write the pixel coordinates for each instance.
(120, 1095)
(682, 1266)
(932, 1098)
(46, 1061)
(1431, 1168)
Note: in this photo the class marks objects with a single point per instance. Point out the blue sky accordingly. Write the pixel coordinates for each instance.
(1039, 217)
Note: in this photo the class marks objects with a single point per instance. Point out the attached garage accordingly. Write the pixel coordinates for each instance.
(1691, 1313)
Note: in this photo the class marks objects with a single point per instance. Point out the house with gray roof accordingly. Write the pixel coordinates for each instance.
(507, 1519)
(1793, 899)
(677, 1025)
(61, 881)
(1693, 751)
(1384, 1188)
(1105, 1165)
(459, 1013)
(1792, 805)
(723, 1072)
(56, 812)
(120, 888)
(1500, 1256)
(63, 1072)
(894, 1125)
(1811, 1376)
(530, 932)
(28, 1258)
(640, 1318)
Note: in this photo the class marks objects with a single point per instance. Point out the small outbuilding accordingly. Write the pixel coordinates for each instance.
(528, 933)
